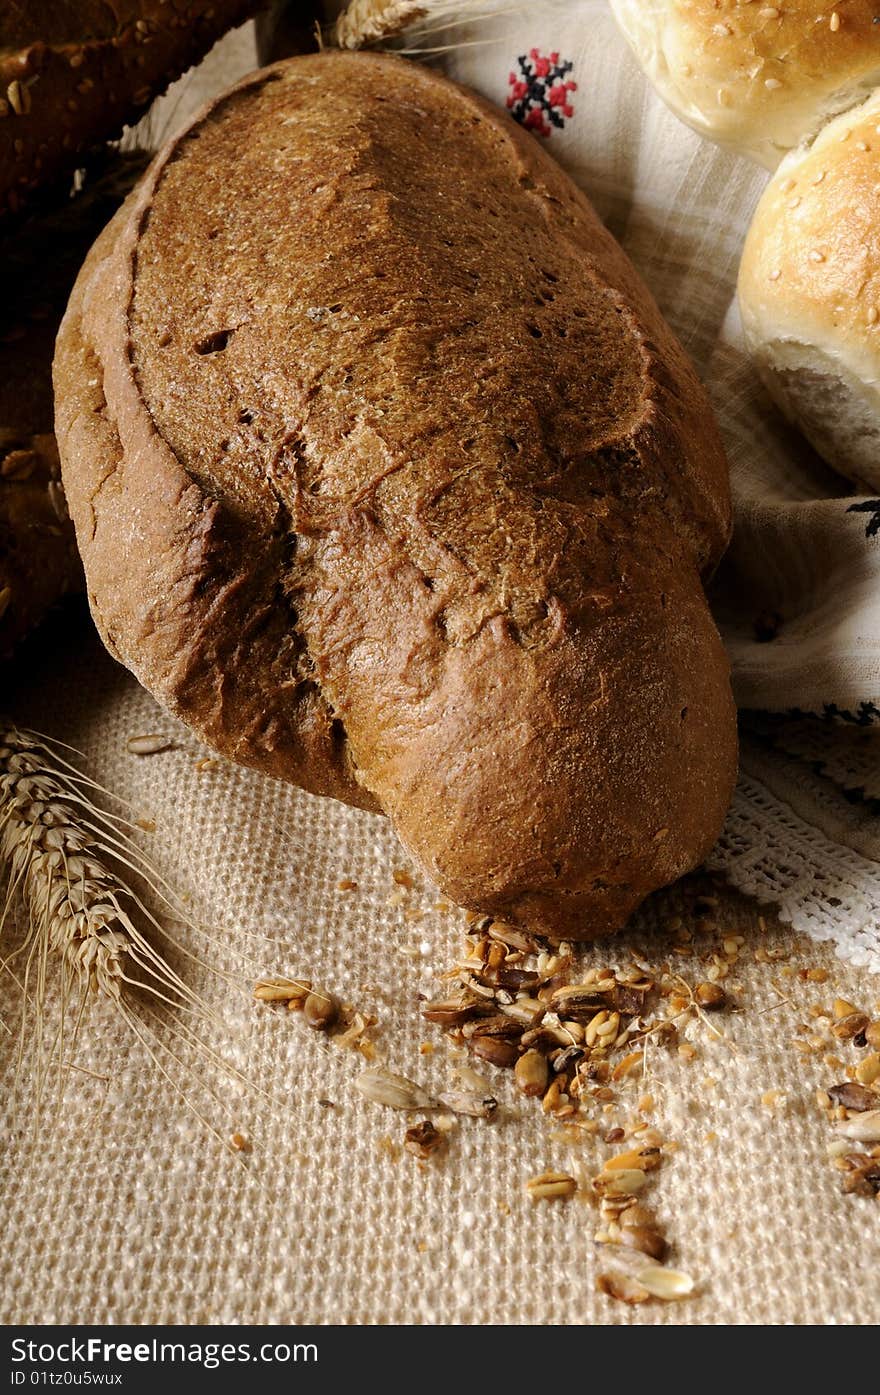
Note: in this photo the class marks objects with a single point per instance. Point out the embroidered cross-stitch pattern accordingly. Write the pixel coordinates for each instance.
(872, 507)
(539, 96)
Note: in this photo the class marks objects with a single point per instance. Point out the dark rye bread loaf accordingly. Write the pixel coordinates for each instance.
(73, 72)
(389, 478)
(39, 562)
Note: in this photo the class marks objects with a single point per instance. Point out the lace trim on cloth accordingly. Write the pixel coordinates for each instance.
(817, 885)
(849, 756)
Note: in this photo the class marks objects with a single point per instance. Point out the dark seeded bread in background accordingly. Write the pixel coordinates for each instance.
(38, 266)
(74, 72)
(390, 479)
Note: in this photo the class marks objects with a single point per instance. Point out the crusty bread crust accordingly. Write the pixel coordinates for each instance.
(389, 477)
(759, 78)
(39, 563)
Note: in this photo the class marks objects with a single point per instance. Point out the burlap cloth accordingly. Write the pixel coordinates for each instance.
(127, 1208)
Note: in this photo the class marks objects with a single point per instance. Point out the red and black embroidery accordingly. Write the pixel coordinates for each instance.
(540, 91)
(872, 507)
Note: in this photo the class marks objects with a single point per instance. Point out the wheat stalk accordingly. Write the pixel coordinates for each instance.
(56, 842)
(369, 21)
(366, 22)
(70, 863)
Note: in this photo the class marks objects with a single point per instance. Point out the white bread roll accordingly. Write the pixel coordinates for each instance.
(809, 291)
(753, 76)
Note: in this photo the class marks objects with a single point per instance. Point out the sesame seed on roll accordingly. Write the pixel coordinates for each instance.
(756, 77)
(809, 291)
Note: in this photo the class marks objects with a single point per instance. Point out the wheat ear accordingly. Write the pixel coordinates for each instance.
(367, 22)
(55, 840)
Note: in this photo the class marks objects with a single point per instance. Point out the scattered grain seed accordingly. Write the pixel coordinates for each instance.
(646, 1159)
(841, 1008)
(626, 1065)
(710, 996)
(382, 1086)
(772, 1099)
(19, 98)
(621, 1287)
(281, 990)
(423, 1139)
(853, 1096)
(475, 1106)
(817, 975)
(850, 1026)
(320, 1011)
(868, 1070)
(834, 22)
(551, 1186)
(864, 1128)
(837, 1148)
(664, 1283)
(150, 744)
(452, 1013)
(531, 1073)
(495, 1050)
(647, 1241)
(872, 1034)
(625, 1182)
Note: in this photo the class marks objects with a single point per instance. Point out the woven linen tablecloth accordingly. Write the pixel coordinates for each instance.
(127, 1207)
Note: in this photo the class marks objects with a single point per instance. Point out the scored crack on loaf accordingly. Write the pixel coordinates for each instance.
(758, 78)
(390, 479)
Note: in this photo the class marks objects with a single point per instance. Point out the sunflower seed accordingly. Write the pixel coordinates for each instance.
(514, 939)
(475, 1106)
(395, 1091)
(500, 1025)
(853, 1096)
(495, 1050)
(449, 1014)
(865, 1128)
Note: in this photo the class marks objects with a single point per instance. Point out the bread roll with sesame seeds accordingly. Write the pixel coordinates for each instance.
(756, 77)
(809, 291)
